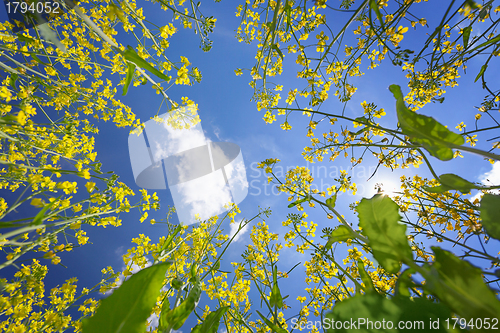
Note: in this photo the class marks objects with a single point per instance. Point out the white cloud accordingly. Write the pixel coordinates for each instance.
(489, 178)
(492, 177)
(205, 196)
(120, 251)
(217, 132)
(234, 228)
(168, 141)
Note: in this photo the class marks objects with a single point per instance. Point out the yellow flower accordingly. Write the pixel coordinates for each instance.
(5, 93)
(21, 117)
(90, 186)
(85, 174)
(37, 202)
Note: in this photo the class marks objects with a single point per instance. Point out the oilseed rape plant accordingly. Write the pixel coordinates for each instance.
(427, 252)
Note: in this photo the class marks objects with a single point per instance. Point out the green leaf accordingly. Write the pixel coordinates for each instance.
(271, 325)
(379, 218)
(288, 11)
(465, 35)
(165, 308)
(211, 322)
(449, 182)
(37, 220)
(275, 299)
(170, 238)
(132, 56)
(481, 72)
(426, 131)
(194, 270)
(13, 79)
(35, 57)
(295, 203)
(128, 307)
(277, 49)
(176, 283)
(367, 280)
(490, 214)
(404, 283)
(128, 78)
(25, 39)
(339, 234)
(330, 202)
(374, 7)
(362, 313)
(8, 119)
(461, 287)
(472, 4)
(490, 41)
(484, 11)
(176, 317)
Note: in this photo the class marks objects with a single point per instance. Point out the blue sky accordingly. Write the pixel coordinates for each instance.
(227, 114)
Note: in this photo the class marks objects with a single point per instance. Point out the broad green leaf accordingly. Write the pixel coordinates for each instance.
(367, 280)
(128, 307)
(271, 325)
(484, 11)
(26, 39)
(481, 72)
(449, 182)
(339, 234)
(465, 35)
(433, 136)
(176, 283)
(132, 56)
(6, 119)
(176, 317)
(275, 299)
(331, 201)
(194, 270)
(404, 283)
(165, 308)
(277, 49)
(374, 7)
(13, 79)
(211, 322)
(375, 313)
(461, 287)
(128, 78)
(490, 214)
(379, 218)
